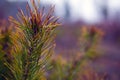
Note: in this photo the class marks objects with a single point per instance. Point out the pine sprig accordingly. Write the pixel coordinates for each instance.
(5, 49)
(34, 43)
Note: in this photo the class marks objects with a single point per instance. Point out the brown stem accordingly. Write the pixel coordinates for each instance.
(27, 63)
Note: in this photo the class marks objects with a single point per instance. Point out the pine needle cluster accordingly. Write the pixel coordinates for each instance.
(33, 43)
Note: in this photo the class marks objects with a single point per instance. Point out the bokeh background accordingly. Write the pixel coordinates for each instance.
(102, 15)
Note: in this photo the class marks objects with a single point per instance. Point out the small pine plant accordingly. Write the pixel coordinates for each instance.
(33, 43)
(74, 69)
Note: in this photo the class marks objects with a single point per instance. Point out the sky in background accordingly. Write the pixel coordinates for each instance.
(86, 10)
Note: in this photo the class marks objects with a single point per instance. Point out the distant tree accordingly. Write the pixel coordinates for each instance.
(67, 9)
(102, 7)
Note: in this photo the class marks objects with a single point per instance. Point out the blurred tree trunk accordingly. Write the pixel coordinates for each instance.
(102, 7)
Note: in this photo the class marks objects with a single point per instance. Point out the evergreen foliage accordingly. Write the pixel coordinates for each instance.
(33, 43)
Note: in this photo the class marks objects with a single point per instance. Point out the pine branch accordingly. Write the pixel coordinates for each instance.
(34, 42)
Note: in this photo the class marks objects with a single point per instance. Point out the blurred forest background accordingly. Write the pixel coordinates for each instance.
(76, 15)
